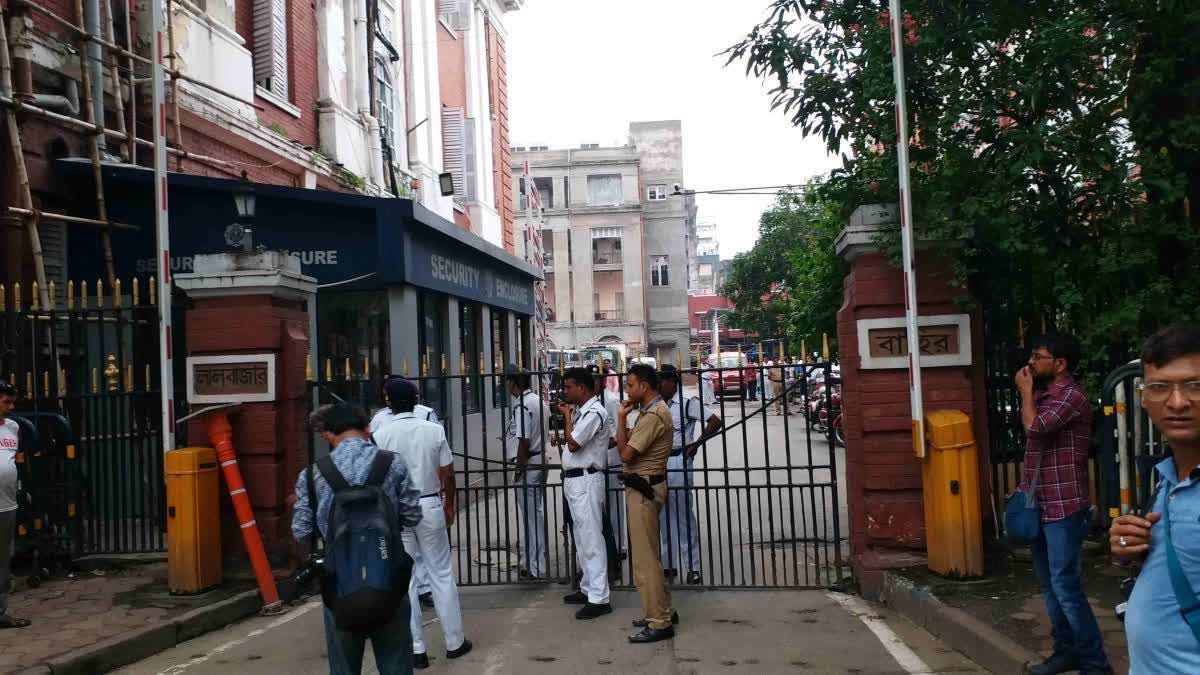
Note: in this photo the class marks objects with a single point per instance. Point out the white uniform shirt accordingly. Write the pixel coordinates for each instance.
(386, 415)
(525, 423)
(590, 430)
(10, 434)
(423, 448)
(685, 430)
(611, 405)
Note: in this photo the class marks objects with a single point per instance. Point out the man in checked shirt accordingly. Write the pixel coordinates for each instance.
(1057, 417)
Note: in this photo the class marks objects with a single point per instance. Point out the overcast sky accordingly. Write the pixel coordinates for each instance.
(581, 70)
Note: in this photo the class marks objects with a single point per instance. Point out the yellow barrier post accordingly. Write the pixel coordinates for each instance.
(950, 479)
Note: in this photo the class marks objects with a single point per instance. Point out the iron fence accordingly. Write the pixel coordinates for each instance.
(86, 368)
(764, 490)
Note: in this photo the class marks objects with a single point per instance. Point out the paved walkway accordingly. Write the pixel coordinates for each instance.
(531, 631)
(69, 614)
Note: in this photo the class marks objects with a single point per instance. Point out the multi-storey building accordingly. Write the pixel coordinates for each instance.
(615, 240)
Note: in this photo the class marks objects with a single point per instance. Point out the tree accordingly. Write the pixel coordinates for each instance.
(1058, 140)
(790, 282)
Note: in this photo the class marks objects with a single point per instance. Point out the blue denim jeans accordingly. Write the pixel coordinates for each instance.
(391, 643)
(1059, 567)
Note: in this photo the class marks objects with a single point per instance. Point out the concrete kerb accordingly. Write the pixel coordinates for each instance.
(973, 638)
(131, 647)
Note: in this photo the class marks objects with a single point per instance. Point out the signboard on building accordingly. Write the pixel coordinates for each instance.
(231, 378)
(945, 340)
(455, 271)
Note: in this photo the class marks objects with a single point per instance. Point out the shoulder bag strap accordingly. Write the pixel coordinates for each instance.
(1031, 498)
(380, 465)
(332, 476)
(1189, 606)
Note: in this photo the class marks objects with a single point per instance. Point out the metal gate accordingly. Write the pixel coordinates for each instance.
(86, 367)
(764, 490)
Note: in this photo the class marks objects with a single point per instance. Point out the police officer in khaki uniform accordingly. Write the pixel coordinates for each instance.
(644, 452)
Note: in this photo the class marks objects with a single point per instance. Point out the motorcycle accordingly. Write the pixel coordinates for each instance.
(824, 412)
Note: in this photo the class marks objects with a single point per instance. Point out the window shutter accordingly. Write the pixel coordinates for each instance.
(447, 7)
(270, 45)
(470, 162)
(453, 150)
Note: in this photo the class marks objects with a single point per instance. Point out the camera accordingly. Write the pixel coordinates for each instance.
(1126, 591)
(300, 582)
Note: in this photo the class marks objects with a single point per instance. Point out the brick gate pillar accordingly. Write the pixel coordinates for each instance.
(883, 477)
(256, 303)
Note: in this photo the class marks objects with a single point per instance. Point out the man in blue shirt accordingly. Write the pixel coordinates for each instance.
(1160, 640)
(344, 427)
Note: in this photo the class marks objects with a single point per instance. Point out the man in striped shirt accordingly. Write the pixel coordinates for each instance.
(1057, 417)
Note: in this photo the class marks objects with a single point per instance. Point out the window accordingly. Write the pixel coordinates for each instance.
(659, 272)
(656, 193)
(355, 328)
(458, 152)
(456, 13)
(706, 269)
(431, 343)
(470, 343)
(271, 46)
(604, 190)
(500, 351)
(545, 190)
(385, 105)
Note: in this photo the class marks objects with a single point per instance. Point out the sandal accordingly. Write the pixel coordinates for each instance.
(12, 622)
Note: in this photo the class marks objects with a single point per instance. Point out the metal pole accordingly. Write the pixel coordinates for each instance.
(906, 233)
(159, 113)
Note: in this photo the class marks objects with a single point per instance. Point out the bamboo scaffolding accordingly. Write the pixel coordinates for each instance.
(89, 97)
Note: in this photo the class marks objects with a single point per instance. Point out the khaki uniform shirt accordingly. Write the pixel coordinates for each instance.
(651, 440)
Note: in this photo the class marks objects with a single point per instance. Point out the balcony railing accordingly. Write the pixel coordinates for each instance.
(610, 315)
(606, 258)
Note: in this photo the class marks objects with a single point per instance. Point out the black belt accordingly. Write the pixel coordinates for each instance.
(653, 480)
(576, 473)
(675, 452)
(432, 494)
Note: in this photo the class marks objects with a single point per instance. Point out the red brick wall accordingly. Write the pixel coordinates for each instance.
(267, 437)
(883, 478)
(501, 150)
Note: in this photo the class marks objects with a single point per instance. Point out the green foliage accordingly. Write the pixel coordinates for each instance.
(1059, 140)
(790, 283)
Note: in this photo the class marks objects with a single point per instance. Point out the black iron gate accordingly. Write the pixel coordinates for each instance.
(86, 367)
(764, 490)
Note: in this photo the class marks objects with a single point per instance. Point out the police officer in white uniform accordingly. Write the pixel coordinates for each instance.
(614, 524)
(423, 448)
(524, 444)
(587, 434)
(678, 529)
(420, 575)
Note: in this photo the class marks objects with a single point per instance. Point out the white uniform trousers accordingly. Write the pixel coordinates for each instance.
(420, 575)
(585, 497)
(615, 499)
(707, 395)
(678, 529)
(430, 539)
(531, 508)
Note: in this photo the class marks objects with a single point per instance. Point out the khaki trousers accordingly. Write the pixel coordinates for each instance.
(647, 565)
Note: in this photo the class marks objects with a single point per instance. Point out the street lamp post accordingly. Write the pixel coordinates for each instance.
(243, 231)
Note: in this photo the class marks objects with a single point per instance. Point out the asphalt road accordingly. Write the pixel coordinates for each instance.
(530, 631)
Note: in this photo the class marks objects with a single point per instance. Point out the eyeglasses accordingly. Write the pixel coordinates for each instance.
(1159, 392)
(1034, 358)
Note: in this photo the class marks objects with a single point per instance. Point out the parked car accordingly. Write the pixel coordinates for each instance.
(729, 380)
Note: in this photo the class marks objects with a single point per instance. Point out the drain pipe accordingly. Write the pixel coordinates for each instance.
(95, 73)
(67, 103)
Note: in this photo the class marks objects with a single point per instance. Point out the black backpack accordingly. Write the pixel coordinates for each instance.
(367, 570)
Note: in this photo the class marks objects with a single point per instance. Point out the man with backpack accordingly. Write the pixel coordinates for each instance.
(679, 530)
(360, 499)
(422, 446)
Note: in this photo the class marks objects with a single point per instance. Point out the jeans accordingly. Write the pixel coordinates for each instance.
(1059, 567)
(8, 522)
(392, 645)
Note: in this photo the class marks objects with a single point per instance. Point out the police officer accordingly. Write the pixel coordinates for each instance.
(583, 460)
(679, 529)
(614, 516)
(524, 443)
(645, 450)
(423, 448)
(382, 418)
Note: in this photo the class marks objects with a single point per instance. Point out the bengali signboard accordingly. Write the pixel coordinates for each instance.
(231, 378)
(945, 340)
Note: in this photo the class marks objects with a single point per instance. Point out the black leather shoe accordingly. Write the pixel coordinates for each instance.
(1057, 663)
(642, 623)
(420, 661)
(694, 578)
(647, 635)
(461, 651)
(591, 611)
(426, 600)
(575, 599)
(670, 573)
